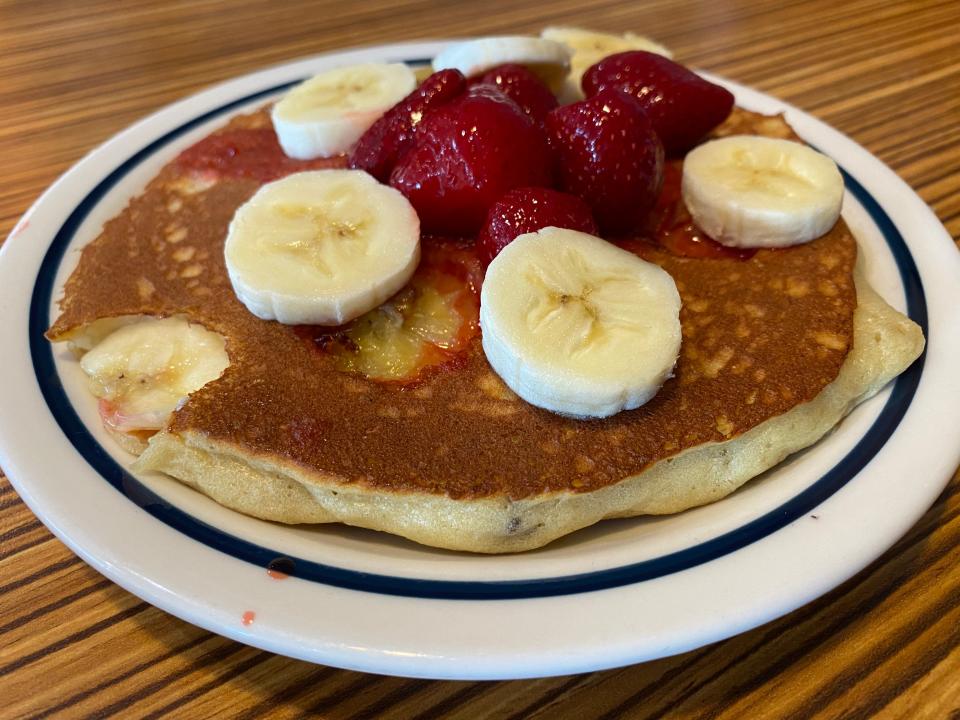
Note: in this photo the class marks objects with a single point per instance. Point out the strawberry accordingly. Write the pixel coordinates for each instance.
(389, 138)
(608, 154)
(682, 105)
(521, 86)
(467, 154)
(525, 210)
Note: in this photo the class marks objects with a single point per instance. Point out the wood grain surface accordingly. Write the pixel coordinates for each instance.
(73, 644)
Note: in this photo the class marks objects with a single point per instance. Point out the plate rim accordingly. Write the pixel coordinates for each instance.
(883, 426)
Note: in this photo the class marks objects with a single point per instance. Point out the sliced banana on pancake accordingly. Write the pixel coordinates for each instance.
(590, 47)
(327, 114)
(145, 370)
(578, 326)
(751, 191)
(548, 59)
(322, 247)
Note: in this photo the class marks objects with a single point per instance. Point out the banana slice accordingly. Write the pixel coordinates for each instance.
(749, 191)
(575, 325)
(322, 247)
(548, 59)
(327, 114)
(590, 47)
(145, 370)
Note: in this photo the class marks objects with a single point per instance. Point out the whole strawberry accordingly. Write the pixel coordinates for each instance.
(467, 154)
(389, 138)
(608, 153)
(523, 87)
(525, 210)
(682, 106)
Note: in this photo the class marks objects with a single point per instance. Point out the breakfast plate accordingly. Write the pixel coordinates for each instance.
(620, 592)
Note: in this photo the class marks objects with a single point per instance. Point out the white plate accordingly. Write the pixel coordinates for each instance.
(619, 593)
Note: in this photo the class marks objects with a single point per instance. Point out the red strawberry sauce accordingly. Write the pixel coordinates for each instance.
(673, 228)
(252, 153)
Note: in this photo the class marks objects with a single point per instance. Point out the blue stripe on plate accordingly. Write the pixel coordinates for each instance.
(103, 463)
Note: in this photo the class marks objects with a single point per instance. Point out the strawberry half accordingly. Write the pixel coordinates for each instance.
(682, 106)
(523, 87)
(608, 153)
(391, 136)
(467, 154)
(526, 210)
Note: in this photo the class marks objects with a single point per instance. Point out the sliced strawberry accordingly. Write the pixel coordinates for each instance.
(388, 139)
(467, 154)
(523, 87)
(608, 154)
(526, 210)
(682, 105)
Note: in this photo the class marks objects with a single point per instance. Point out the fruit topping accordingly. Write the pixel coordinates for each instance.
(548, 59)
(321, 247)
(682, 106)
(591, 47)
(749, 191)
(467, 154)
(526, 210)
(145, 370)
(327, 114)
(523, 87)
(575, 325)
(608, 154)
(389, 138)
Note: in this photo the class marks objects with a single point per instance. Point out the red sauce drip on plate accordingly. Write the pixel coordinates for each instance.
(248, 617)
(280, 568)
(252, 153)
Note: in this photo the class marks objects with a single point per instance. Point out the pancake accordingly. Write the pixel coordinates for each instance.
(777, 346)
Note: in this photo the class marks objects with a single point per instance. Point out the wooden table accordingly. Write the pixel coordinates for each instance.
(885, 643)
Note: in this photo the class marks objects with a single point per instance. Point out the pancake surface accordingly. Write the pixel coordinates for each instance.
(457, 460)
